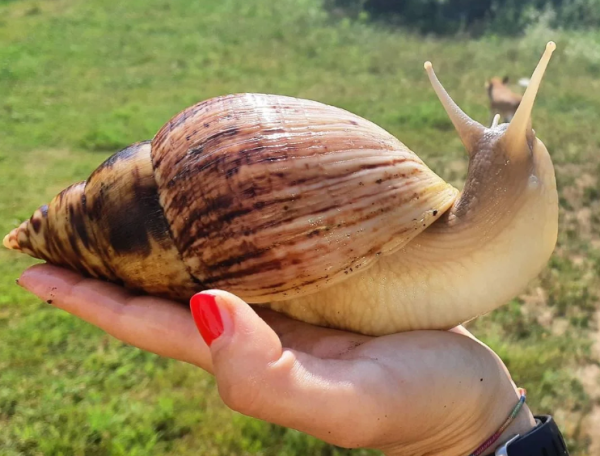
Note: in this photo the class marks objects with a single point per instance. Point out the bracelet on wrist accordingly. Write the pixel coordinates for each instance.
(515, 411)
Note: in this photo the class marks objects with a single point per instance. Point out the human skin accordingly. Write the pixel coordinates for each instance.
(412, 393)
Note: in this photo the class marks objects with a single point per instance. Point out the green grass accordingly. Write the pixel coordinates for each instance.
(79, 80)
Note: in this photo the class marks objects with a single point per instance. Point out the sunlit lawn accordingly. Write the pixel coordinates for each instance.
(79, 80)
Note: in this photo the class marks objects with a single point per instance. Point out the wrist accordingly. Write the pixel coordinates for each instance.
(481, 408)
(522, 424)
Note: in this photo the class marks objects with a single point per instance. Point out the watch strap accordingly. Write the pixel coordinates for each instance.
(543, 440)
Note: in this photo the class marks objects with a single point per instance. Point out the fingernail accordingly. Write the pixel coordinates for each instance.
(207, 316)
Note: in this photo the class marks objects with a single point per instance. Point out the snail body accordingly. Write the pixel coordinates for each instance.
(312, 211)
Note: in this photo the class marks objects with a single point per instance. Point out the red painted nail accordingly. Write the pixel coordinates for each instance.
(207, 317)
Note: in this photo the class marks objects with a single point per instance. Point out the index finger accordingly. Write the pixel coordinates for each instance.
(153, 324)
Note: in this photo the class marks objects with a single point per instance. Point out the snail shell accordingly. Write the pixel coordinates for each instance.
(266, 196)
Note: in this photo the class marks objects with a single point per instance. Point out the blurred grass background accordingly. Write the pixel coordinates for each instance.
(79, 80)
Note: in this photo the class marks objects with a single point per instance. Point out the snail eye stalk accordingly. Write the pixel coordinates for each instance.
(469, 130)
(519, 129)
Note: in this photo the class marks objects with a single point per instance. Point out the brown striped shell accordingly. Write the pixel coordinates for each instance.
(265, 196)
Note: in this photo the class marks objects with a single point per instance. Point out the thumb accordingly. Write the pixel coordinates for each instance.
(246, 353)
(257, 377)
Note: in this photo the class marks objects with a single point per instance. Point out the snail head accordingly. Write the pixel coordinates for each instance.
(512, 147)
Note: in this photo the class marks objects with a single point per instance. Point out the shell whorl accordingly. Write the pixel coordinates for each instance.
(271, 197)
(265, 196)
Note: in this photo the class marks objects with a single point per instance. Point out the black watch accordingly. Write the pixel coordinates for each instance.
(543, 440)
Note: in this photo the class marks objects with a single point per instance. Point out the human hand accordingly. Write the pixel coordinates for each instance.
(414, 393)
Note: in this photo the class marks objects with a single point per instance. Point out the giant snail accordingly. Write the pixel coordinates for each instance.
(314, 212)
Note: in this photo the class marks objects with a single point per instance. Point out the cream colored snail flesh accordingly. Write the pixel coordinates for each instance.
(314, 212)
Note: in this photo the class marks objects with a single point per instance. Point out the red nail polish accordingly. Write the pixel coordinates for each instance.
(207, 317)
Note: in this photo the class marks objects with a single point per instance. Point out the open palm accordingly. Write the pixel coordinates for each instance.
(421, 392)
